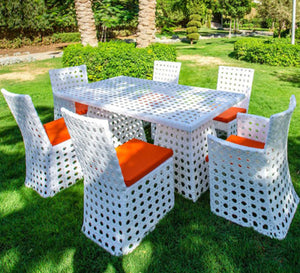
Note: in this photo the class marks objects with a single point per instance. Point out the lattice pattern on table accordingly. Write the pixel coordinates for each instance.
(116, 217)
(238, 80)
(253, 187)
(49, 169)
(174, 105)
(63, 79)
(190, 150)
(122, 127)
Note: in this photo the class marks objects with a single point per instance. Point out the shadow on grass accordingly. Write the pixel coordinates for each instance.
(292, 77)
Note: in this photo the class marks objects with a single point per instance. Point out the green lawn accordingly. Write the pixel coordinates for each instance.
(44, 235)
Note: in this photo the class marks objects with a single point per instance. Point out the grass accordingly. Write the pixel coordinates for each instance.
(43, 235)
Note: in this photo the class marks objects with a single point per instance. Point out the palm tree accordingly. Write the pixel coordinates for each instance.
(146, 25)
(86, 22)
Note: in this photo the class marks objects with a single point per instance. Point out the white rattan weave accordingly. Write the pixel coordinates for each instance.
(234, 79)
(165, 72)
(116, 217)
(177, 108)
(252, 187)
(63, 79)
(190, 150)
(49, 169)
(122, 127)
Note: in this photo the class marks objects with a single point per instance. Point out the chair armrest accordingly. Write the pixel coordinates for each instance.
(252, 127)
(225, 153)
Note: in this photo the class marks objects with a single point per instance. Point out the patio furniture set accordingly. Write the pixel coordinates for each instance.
(129, 184)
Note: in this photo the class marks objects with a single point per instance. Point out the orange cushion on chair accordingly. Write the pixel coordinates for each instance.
(230, 114)
(246, 142)
(81, 109)
(137, 158)
(57, 131)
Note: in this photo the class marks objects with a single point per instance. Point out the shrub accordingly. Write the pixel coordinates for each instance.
(297, 33)
(46, 40)
(66, 37)
(193, 25)
(117, 58)
(283, 34)
(276, 52)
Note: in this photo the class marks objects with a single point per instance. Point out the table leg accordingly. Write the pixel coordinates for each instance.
(190, 149)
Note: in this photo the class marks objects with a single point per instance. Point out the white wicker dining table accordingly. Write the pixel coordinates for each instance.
(183, 115)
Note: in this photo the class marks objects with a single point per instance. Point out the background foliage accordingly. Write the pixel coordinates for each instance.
(117, 58)
(277, 52)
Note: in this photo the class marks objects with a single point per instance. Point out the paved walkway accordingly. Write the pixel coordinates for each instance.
(29, 57)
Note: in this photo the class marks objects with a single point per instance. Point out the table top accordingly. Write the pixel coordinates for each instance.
(178, 106)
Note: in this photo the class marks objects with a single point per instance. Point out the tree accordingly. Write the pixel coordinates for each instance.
(24, 16)
(235, 9)
(193, 26)
(86, 22)
(146, 23)
(280, 11)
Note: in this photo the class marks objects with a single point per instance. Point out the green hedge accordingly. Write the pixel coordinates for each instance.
(117, 58)
(46, 40)
(276, 52)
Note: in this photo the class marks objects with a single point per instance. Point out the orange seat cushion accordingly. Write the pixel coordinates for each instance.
(81, 109)
(137, 158)
(230, 114)
(246, 142)
(57, 131)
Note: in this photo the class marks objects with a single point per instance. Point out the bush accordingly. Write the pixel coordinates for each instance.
(276, 52)
(283, 34)
(46, 40)
(297, 33)
(66, 37)
(117, 58)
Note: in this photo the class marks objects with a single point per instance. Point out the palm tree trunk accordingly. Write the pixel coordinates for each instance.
(146, 25)
(86, 22)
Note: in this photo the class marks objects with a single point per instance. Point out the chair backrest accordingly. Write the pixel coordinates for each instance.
(166, 71)
(279, 128)
(27, 119)
(237, 80)
(94, 149)
(65, 78)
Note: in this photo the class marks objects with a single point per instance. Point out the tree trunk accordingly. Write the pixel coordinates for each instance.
(146, 25)
(86, 22)
(229, 35)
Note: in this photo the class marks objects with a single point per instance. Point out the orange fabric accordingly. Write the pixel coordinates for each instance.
(246, 142)
(57, 131)
(81, 109)
(230, 114)
(137, 158)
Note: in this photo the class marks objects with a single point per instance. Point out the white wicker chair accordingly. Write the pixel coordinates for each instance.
(238, 80)
(66, 78)
(165, 72)
(122, 127)
(49, 168)
(118, 212)
(252, 186)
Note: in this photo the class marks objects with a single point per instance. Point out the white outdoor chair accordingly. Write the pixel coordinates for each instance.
(122, 127)
(165, 72)
(238, 80)
(249, 176)
(51, 162)
(127, 190)
(66, 78)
